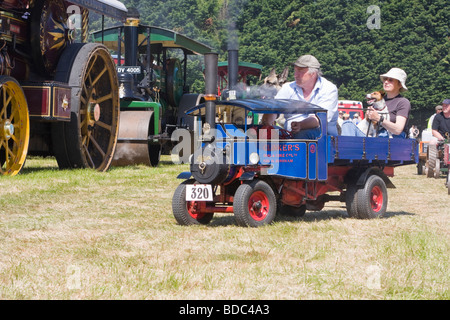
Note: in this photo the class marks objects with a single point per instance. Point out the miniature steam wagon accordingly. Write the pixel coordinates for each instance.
(255, 172)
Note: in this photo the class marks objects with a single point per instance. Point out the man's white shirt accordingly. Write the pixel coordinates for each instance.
(324, 94)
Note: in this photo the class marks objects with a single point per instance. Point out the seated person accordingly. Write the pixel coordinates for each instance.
(398, 106)
(441, 123)
(309, 86)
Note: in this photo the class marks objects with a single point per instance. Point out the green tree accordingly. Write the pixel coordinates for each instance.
(412, 34)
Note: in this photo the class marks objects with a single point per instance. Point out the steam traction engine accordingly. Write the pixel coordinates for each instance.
(58, 94)
(152, 69)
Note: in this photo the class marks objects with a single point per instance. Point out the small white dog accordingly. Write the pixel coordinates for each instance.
(376, 100)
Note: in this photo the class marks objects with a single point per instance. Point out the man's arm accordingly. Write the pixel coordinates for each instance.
(437, 135)
(309, 123)
(435, 128)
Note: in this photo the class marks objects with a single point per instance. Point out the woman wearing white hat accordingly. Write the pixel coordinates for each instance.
(394, 82)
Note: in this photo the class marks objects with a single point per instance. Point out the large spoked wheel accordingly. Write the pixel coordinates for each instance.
(14, 127)
(254, 204)
(89, 139)
(189, 212)
(371, 201)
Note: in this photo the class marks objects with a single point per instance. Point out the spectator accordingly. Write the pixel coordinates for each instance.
(413, 132)
(309, 86)
(399, 107)
(438, 109)
(441, 123)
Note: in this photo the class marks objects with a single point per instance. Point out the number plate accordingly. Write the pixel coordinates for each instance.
(129, 69)
(199, 192)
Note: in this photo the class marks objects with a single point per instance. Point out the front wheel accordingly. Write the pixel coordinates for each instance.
(372, 199)
(254, 204)
(188, 212)
(14, 127)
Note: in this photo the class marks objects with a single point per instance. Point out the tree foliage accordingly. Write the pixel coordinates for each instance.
(355, 43)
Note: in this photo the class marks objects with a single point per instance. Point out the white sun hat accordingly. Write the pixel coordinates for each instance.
(398, 74)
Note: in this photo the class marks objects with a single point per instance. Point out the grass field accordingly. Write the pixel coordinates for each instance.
(82, 234)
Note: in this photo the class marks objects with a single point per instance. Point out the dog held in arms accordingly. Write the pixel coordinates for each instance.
(273, 83)
(375, 100)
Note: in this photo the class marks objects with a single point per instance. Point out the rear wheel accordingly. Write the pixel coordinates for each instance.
(351, 200)
(431, 162)
(14, 127)
(372, 199)
(437, 169)
(188, 212)
(89, 139)
(421, 167)
(254, 204)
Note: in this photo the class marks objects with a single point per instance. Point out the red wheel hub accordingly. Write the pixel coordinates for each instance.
(258, 205)
(376, 198)
(194, 209)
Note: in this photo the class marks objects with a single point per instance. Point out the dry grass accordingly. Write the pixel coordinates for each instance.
(86, 235)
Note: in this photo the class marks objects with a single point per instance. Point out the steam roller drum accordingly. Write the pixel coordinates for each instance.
(133, 146)
(14, 127)
(89, 139)
(210, 165)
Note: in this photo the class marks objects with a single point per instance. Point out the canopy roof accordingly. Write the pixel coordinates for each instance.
(245, 68)
(159, 37)
(111, 8)
(263, 106)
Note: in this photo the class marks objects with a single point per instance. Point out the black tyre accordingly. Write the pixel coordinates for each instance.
(254, 204)
(351, 200)
(154, 149)
(188, 212)
(437, 169)
(421, 167)
(431, 162)
(372, 199)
